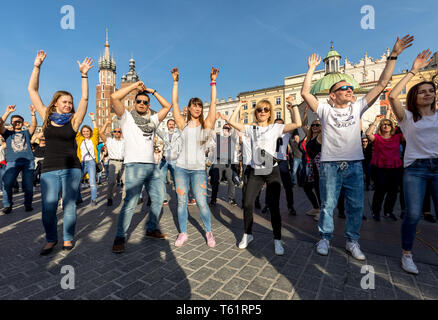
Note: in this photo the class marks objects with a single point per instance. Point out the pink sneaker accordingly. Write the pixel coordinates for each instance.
(182, 237)
(210, 240)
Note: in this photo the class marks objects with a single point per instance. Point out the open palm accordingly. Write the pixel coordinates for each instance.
(422, 60)
(86, 65)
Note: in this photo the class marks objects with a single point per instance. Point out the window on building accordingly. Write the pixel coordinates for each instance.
(126, 103)
(103, 95)
(254, 103)
(383, 110)
(226, 113)
(278, 101)
(218, 124)
(278, 114)
(403, 91)
(245, 107)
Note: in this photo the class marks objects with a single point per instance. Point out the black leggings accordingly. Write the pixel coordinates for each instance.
(387, 182)
(273, 189)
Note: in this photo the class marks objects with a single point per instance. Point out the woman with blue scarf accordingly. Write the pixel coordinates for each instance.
(61, 170)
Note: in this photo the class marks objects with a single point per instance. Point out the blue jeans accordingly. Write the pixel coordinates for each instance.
(164, 166)
(137, 175)
(89, 167)
(10, 175)
(415, 179)
(52, 183)
(2, 172)
(295, 166)
(334, 176)
(198, 180)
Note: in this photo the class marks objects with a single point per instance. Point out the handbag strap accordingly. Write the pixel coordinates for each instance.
(88, 151)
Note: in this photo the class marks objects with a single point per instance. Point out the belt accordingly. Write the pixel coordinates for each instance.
(116, 160)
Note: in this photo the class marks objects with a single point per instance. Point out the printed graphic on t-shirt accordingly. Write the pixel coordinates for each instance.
(344, 119)
(18, 143)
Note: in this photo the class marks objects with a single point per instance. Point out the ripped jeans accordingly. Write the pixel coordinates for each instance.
(198, 181)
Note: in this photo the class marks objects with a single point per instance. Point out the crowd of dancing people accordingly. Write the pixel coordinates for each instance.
(334, 159)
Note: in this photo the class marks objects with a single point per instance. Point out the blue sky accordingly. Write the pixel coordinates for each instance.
(255, 44)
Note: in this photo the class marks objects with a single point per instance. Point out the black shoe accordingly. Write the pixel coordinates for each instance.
(119, 245)
(232, 202)
(364, 218)
(429, 217)
(140, 200)
(212, 203)
(265, 210)
(257, 205)
(68, 248)
(45, 252)
(341, 215)
(28, 209)
(109, 202)
(7, 210)
(149, 202)
(292, 211)
(376, 217)
(78, 202)
(392, 216)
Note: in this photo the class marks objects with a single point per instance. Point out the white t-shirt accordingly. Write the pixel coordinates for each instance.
(341, 139)
(139, 146)
(281, 155)
(263, 138)
(421, 137)
(116, 148)
(194, 143)
(87, 154)
(246, 149)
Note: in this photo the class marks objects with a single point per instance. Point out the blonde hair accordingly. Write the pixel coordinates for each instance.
(261, 104)
(52, 108)
(382, 122)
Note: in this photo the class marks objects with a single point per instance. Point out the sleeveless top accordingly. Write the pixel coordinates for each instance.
(61, 148)
(192, 156)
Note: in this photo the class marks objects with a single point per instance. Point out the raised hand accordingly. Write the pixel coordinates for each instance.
(91, 114)
(108, 122)
(314, 60)
(140, 86)
(422, 60)
(185, 111)
(32, 109)
(85, 65)
(379, 117)
(402, 44)
(290, 100)
(175, 74)
(213, 73)
(41, 56)
(10, 108)
(221, 116)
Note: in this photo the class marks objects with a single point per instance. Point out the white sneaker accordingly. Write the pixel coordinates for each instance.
(353, 248)
(322, 247)
(408, 264)
(279, 250)
(247, 238)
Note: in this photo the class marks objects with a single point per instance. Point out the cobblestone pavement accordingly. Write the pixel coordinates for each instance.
(156, 269)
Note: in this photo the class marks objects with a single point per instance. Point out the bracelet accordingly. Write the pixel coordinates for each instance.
(33, 115)
(392, 58)
(213, 83)
(153, 93)
(85, 77)
(412, 73)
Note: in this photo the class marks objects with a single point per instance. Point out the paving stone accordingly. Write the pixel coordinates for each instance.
(103, 291)
(334, 282)
(225, 274)
(158, 289)
(202, 274)
(208, 288)
(197, 263)
(381, 293)
(235, 286)
(129, 278)
(403, 279)
(355, 294)
(428, 291)
(259, 285)
(217, 263)
(277, 295)
(257, 262)
(330, 294)
(230, 254)
(249, 296)
(309, 283)
(406, 293)
(237, 263)
(222, 296)
(131, 290)
(23, 293)
(248, 272)
(302, 294)
(285, 283)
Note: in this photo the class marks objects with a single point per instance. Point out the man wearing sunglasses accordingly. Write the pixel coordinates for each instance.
(341, 154)
(19, 158)
(116, 152)
(138, 127)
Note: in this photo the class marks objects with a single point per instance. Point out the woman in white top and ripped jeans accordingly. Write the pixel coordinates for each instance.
(190, 165)
(264, 168)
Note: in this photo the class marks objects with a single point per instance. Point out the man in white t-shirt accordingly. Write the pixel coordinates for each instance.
(138, 128)
(116, 152)
(341, 154)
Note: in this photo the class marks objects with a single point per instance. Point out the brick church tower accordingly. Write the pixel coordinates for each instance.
(106, 86)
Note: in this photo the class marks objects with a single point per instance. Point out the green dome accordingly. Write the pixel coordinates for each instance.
(332, 53)
(330, 79)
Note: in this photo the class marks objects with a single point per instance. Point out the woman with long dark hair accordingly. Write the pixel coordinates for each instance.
(61, 169)
(264, 168)
(419, 124)
(190, 165)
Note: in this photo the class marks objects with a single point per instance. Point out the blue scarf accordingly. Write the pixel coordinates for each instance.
(60, 118)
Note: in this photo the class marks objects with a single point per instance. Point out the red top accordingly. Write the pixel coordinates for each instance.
(386, 152)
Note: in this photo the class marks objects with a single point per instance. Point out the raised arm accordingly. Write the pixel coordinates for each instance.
(102, 130)
(211, 118)
(233, 120)
(421, 61)
(179, 119)
(9, 110)
(370, 131)
(34, 124)
(117, 97)
(313, 61)
(399, 46)
(36, 136)
(79, 115)
(296, 119)
(34, 84)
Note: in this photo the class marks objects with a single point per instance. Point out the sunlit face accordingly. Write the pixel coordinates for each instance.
(195, 111)
(117, 132)
(64, 104)
(426, 95)
(263, 114)
(17, 123)
(316, 127)
(86, 133)
(171, 125)
(342, 96)
(386, 126)
(364, 143)
(142, 104)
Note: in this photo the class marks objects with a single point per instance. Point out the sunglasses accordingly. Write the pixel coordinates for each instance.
(226, 128)
(315, 125)
(145, 102)
(386, 124)
(266, 110)
(117, 131)
(345, 88)
(17, 122)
